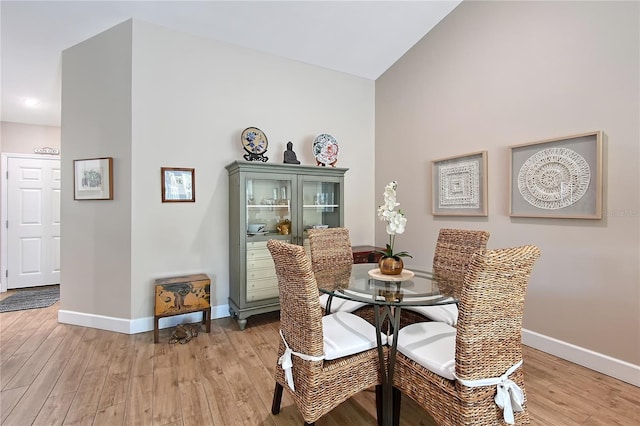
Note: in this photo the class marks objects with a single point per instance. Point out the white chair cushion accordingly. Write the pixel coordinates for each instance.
(340, 305)
(430, 344)
(447, 314)
(347, 334)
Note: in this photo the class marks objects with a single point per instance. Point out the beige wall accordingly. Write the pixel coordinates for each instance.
(191, 100)
(18, 138)
(95, 235)
(151, 98)
(495, 74)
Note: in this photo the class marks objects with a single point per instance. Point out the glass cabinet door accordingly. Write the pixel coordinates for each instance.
(268, 205)
(321, 203)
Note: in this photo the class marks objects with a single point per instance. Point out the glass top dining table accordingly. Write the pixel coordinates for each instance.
(389, 294)
(364, 283)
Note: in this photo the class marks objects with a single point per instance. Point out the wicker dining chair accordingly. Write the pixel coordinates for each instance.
(451, 259)
(331, 252)
(334, 356)
(459, 374)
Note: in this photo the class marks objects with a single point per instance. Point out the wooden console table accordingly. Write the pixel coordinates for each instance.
(366, 254)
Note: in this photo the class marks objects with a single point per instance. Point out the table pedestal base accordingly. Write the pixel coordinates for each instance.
(389, 396)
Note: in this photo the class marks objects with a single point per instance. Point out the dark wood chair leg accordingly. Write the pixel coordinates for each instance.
(379, 404)
(277, 399)
(397, 399)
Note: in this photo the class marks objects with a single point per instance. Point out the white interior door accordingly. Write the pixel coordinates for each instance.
(33, 222)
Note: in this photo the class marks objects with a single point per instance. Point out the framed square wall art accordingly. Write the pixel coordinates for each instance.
(178, 185)
(460, 185)
(557, 178)
(93, 179)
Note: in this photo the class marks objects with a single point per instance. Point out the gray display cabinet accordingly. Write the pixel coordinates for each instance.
(270, 194)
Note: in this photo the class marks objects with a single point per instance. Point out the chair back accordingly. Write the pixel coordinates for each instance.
(488, 337)
(300, 313)
(454, 249)
(330, 248)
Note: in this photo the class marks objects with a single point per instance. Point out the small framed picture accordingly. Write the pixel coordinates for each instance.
(557, 178)
(178, 185)
(93, 179)
(460, 185)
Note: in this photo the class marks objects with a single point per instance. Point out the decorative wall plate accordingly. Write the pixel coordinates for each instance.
(255, 142)
(325, 149)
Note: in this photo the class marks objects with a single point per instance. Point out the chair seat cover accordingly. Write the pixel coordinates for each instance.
(347, 334)
(447, 314)
(340, 305)
(430, 344)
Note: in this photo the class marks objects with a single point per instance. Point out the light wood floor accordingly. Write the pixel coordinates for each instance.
(57, 374)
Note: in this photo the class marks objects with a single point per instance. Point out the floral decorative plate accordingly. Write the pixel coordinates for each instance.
(254, 141)
(325, 149)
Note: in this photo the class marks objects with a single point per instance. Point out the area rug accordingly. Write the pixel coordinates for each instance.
(31, 299)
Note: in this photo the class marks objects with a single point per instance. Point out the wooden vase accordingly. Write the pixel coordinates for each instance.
(390, 265)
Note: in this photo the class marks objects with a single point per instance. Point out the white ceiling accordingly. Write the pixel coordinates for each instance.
(363, 38)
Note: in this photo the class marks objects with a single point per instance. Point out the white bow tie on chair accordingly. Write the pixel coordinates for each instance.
(509, 397)
(287, 363)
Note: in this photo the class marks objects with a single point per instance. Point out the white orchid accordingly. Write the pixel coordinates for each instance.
(396, 220)
(397, 223)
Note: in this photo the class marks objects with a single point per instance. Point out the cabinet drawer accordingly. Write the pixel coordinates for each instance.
(262, 283)
(260, 263)
(258, 254)
(262, 288)
(270, 293)
(257, 245)
(259, 274)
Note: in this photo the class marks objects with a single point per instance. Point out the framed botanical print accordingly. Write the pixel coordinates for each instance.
(93, 179)
(178, 185)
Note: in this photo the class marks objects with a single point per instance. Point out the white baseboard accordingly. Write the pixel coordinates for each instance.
(101, 322)
(139, 325)
(604, 364)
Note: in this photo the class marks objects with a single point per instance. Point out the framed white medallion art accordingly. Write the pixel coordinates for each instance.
(557, 178)
(460, 185)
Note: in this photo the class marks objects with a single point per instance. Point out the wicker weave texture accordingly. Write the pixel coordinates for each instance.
(330, 248)
(331, 254)
(488, 342)
(320, 385)
(454, 249)
(451, 259)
